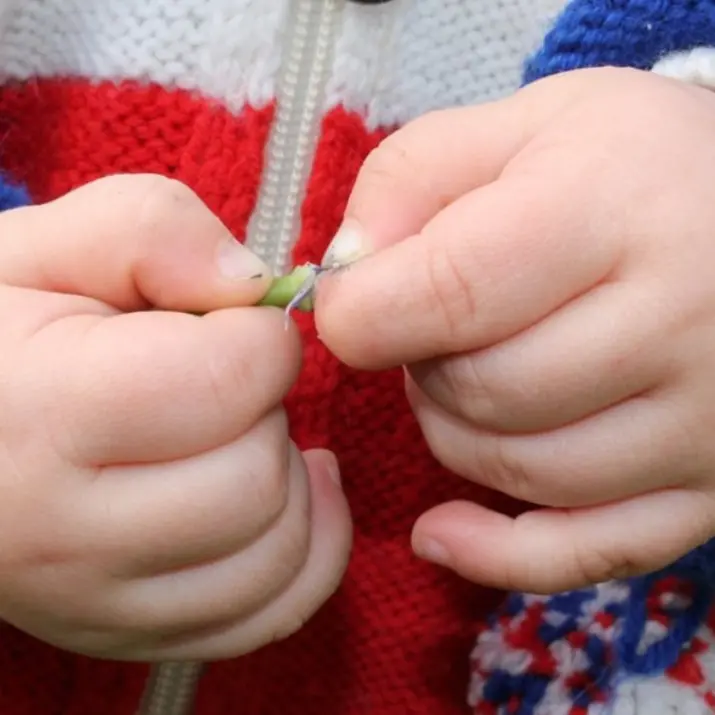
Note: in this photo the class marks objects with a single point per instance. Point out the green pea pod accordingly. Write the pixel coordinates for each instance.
(293, 291)
(286, 289)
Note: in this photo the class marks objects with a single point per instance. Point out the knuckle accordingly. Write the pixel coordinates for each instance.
(269, 474)
(291, 558)
(399, 157)
(163, 189)
(468, 389)
(297, 529)
(290, 624)
(240, 377)
(306, 607)
(156, 200)
(143, 193)
(438, 443)
(388, 162)
(443, 451)
(440, 438)
(494, 397)
(228, 376)
(288, 539)
(592, 564)
(504, 472)
(452, 296)
(32, 524)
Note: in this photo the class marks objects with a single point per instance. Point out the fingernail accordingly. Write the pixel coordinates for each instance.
(431, 550)
(349, 244)
(333, 468)
(236, 262)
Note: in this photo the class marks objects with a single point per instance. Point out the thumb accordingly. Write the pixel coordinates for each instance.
(546, 551)
(131, 241)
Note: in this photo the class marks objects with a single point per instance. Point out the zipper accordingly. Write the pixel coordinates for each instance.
(275, 224)
(171, 689)
(311, 27)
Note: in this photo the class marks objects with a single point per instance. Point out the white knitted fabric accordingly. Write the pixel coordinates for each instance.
(393, 61)
(398, 60)
(228, 49)
(696, 66)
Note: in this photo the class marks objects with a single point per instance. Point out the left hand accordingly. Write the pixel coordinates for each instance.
(545, 267)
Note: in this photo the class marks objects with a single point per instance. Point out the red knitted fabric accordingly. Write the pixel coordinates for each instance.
(395, 639)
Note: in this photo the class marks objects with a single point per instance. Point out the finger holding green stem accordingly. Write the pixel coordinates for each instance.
(293, 291)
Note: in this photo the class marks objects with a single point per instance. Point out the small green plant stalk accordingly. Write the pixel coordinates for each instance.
(293, 291)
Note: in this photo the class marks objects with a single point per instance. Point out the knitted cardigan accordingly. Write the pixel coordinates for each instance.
(187, 88)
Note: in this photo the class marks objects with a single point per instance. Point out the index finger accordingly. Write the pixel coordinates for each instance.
(153, 386)
(491, 264)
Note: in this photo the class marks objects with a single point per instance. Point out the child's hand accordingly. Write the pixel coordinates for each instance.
(152, 505)
(546, 270)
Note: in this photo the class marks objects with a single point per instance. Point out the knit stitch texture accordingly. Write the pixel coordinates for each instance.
(622, 33)
(186, 88)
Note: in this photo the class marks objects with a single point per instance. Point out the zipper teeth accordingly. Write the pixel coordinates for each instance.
(311, 24)
(276, 220)
(171, 689)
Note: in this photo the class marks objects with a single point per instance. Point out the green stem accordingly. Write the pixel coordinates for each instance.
(284, 288)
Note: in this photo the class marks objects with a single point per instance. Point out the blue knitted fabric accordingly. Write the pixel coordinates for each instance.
(12, 195)
(643, 646)
(622, 33)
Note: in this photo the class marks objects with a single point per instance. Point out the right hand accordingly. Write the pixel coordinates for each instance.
(152, 505)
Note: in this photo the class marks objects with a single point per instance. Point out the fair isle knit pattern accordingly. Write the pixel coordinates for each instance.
(644, 646)
(639, 647)
(187, 88)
